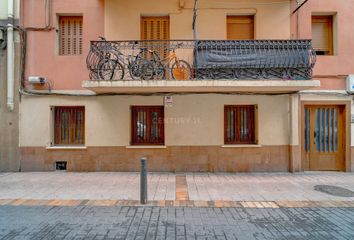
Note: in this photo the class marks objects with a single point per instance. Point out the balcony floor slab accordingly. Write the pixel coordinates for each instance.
(199, 86)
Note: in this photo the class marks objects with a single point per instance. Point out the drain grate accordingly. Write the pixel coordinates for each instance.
(334, 190)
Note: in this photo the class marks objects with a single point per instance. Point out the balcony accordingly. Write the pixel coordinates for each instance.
(200, 66)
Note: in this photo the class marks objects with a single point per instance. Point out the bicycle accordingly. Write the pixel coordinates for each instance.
(139, 67)
(112, 64)
(180, 69)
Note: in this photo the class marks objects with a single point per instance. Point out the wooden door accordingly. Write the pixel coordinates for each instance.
(156, 28)
(323, 137)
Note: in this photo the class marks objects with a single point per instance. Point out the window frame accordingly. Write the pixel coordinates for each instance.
(161, 126)
(254, 138)
(54, 127)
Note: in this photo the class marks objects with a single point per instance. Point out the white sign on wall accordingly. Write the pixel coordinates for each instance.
(168, 101)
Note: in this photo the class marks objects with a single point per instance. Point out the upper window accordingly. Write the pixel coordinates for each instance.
(70, 35)
(240, 27)
(322, 34)
(148, 125)
(240, 124)
(69, 125)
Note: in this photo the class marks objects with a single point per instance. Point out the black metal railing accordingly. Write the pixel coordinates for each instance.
(202, 59)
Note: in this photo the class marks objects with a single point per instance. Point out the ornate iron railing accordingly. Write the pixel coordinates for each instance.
(202, 59)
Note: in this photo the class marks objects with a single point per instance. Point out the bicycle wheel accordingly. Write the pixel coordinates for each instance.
(141, 69)
(109, 69)
(154, 58)
(181, 70)
(159, 70)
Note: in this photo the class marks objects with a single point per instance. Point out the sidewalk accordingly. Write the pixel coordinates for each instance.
(60, 205)
(172, 187)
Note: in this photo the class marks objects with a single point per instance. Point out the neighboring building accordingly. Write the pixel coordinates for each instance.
(243, 106)
(9, 97)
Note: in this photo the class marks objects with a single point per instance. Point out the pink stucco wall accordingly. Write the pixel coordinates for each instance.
(64, 72)
(331, 70)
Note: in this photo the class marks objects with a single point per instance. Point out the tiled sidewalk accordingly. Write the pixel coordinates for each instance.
(167, 189)
(267, 187)
(62, 185)
(181, 206)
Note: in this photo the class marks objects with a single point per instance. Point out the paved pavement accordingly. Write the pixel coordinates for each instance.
(89, 222)
(162, 186)
(59, 205)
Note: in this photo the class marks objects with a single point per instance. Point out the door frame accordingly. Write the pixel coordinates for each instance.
(346, 128)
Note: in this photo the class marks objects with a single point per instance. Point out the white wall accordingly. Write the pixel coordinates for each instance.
(192, 120)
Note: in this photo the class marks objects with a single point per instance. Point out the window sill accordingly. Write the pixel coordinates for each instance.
(66, 147)
(145, 146)
(242, 146)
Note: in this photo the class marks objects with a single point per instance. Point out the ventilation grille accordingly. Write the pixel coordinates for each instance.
(60, 166)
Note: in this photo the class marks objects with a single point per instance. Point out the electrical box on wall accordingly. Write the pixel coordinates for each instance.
(350, 83)
(36, 80)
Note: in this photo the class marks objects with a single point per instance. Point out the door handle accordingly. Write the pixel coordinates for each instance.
(314, 137)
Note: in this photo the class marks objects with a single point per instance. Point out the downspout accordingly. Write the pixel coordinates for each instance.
(10, 57)
(195, 52)
(195, 9)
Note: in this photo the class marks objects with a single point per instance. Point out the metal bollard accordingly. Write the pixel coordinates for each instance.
(143, 180)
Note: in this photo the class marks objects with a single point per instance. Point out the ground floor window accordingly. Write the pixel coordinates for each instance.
(240, 124)
(148, 125)
(69, 125)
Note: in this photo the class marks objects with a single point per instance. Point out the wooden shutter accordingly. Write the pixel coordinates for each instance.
(156, 28)
(69, 125)
(240, 27)
(322, 34)
(240, 124)
(148, 125)
(70, 35)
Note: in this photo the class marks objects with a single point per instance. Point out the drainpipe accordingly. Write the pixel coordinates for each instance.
(10, 57)
(195, 9)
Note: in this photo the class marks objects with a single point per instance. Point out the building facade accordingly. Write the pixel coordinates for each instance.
(209, 86)
(9, 85)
